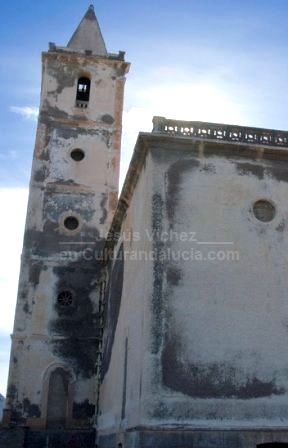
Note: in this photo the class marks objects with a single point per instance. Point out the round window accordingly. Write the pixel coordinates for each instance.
(65, 299)
(77, 155)
(71, 223)
(264, 210)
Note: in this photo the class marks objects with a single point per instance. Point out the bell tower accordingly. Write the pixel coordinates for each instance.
(73, 196)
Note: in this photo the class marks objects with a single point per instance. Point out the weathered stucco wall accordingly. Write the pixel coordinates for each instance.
(222, 355)
(129, 285)
(49, 337)
(213, 349)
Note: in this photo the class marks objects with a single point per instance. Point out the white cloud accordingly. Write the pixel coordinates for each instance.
(134, 120)
(4, 360)
(13, 211)
(27, 112)
(199, 100)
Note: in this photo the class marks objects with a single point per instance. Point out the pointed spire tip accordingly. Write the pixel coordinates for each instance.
(88, 35)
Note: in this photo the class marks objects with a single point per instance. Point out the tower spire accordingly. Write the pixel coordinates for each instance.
(75, 173)
(88, 35)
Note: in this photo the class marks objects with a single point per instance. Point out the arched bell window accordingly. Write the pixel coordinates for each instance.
(83, 92)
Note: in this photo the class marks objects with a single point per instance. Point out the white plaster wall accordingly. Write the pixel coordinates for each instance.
(225, 315)
(133, 317)
(221, 323)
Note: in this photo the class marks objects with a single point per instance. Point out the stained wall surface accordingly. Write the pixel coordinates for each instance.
(125, 325)
(49, 336)
(213, 348)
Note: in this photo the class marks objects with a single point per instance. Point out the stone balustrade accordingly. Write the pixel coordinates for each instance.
(220, 132)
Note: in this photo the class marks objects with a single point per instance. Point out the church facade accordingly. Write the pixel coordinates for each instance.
(158, 318)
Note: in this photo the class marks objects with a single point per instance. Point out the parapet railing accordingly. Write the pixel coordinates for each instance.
(220, 132)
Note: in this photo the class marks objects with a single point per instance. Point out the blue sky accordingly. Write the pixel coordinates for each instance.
(213, 60)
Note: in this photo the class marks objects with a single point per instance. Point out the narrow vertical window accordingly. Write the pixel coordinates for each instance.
(58, 399)
(83, 92)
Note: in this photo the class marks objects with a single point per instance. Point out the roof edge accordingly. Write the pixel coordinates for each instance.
(142, 146)
(131, 179)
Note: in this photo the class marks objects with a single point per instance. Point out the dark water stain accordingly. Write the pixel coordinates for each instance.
(174, 275)
(77, 326)
(41, 174)
(245, 168)
(108, 119)
(66, 132)
(31, 410)
(103, 208)
(81, 354)
(277, 169)
(48, 111)
(83, 410)
(124, 388)
(210, 380)
(48, 242)
(281, 226)
(11, 392)
(69, 132)
(158, 273)
(66, 76)
(174, 176)
(34, 272)
(26, 308)
(208, 168)
(112, 308)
